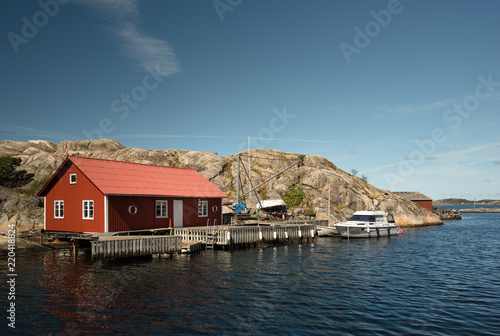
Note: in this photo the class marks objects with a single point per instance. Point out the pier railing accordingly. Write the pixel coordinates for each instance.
(132, 246)
(228, 235)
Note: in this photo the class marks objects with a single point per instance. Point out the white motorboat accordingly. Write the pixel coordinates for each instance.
(369, 224)
(328, 231)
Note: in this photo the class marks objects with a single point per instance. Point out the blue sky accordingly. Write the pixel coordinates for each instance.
(405, 92)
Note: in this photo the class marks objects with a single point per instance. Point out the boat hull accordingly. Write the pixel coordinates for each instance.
(348, 231)
(328, 231)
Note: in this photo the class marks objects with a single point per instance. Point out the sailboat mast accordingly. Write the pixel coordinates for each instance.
(238, 181)
(249, 171)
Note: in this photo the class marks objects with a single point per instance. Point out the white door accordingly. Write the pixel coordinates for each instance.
(178, 208)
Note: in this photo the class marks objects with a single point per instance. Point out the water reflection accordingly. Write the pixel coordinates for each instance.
(423, 282)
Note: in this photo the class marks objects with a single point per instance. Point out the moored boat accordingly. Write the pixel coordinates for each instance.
(328, 231)
(369, 224)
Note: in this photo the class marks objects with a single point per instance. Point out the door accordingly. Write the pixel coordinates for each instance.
(178, 209)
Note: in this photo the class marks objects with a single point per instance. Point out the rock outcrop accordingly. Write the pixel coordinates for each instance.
(312, 187)
(324, 187)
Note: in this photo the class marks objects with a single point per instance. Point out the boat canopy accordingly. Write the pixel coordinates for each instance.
(370, 213)
(271, 204)
(372, 216)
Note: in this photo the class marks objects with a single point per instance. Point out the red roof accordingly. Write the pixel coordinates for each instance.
(126, 178)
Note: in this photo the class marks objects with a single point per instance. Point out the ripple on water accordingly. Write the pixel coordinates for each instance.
(433, 281)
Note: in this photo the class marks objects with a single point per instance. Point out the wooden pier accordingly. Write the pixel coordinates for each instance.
(162, 241)
(191, 247)
(135, 246)
(230, 236)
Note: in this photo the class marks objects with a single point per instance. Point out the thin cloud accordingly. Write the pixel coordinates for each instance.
(413, 108)
(8, 130)
(130, 136)
(433, 157)
(441, 105)
(297, 140)
(135, 136)
(469, 150)
(143, 50)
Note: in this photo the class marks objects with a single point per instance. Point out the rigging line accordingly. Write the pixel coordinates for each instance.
(265, 158)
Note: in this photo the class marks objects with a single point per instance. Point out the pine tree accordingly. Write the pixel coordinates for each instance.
(9, 176)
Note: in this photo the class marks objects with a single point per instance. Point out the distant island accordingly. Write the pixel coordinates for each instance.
(454, 201)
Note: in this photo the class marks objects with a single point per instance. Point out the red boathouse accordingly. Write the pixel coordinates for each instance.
(414, 196)
(97, 195)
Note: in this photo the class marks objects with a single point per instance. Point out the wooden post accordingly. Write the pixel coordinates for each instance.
(329, 203)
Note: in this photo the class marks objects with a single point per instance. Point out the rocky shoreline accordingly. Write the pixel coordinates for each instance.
(313, 188)
(481, 210)
(447, 214)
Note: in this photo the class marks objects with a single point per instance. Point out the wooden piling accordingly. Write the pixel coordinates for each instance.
(133, 246)
(240, 236)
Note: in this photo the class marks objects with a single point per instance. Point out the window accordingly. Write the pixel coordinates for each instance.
(58, 209)
(72, 178)
(202, 208)
(88, 209)
(161, 209)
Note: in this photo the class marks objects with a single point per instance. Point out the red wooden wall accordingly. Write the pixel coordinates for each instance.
(425, 204)
(121, 220)
(73, 196)
(191, 217)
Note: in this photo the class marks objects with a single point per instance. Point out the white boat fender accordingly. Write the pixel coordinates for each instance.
(312, 233)
(228, 236)
(275, 235)
(300, 233)
(260, 235)
(286, 234)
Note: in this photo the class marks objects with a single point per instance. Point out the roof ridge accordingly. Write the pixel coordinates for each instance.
(113, 177)
(126, 162)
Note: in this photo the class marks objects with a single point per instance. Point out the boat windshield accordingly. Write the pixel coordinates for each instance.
(363, 218)
(367, 218)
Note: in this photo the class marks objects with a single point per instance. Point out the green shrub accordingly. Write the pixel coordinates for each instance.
(310, 213)
(34, 187)
(294, 197)
(9, 176)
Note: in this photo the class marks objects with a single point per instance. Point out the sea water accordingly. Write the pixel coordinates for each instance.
(441, 280)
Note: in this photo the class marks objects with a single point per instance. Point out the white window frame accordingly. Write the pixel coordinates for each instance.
(71, 178)
(58, 211)
(202, 208)
(90, 214)
(162, 202)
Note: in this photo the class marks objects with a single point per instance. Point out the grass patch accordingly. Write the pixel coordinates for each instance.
(294, 197)
(33, 188)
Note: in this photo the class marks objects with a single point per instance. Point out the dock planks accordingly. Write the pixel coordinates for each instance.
(134, 246)
(236, 235)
